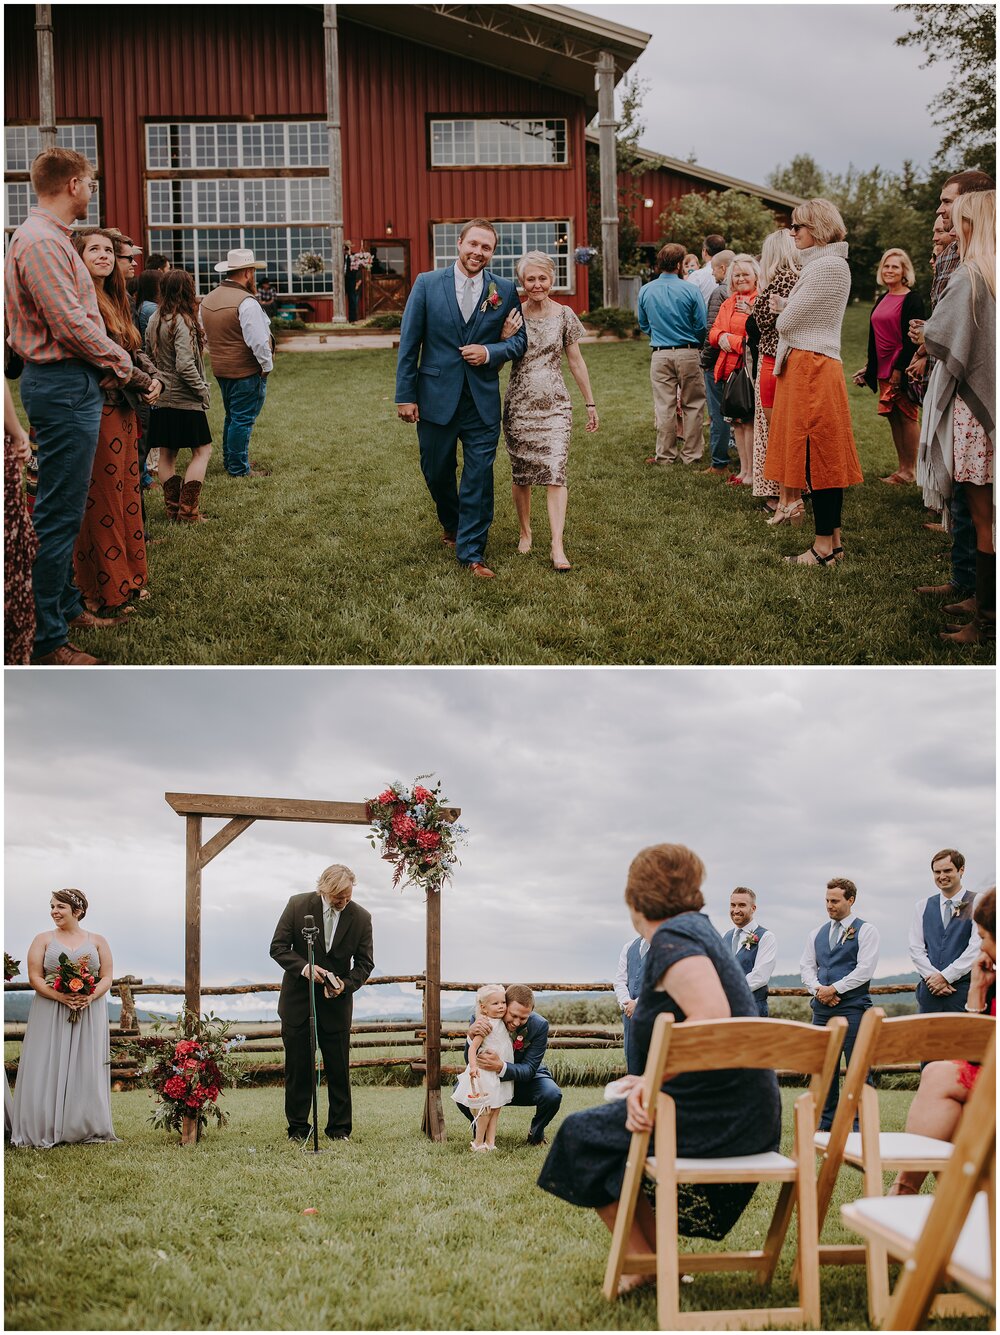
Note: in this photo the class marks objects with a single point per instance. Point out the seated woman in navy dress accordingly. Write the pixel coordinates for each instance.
(692, 976)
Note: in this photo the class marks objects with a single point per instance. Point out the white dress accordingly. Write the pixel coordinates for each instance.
(497, 1091)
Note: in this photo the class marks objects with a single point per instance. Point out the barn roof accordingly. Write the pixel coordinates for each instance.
(549, 44)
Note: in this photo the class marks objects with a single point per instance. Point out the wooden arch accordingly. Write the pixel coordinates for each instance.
(239, 813)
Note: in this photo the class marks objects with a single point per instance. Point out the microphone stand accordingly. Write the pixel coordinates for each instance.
(310, 932)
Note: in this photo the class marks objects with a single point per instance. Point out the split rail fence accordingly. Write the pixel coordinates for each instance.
(264, 1040)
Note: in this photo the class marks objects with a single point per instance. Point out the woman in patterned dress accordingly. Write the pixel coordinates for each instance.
(19, 542)
(537, 414)
(109, 558)
(779, 272)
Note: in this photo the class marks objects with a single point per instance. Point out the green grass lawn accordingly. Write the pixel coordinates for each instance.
(408, 1235)
(336, 557)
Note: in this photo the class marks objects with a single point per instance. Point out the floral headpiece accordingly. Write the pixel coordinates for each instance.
(74, 900)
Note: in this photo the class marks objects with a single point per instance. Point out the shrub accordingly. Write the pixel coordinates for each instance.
(612, 320)
(386, 320)
(279, 326)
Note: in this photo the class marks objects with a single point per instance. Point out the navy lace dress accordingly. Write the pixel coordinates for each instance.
(718, 1112)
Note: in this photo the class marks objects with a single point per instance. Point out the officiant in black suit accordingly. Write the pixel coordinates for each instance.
(343, 960)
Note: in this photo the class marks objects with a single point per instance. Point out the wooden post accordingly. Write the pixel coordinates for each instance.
(192, 919)
(332, 71)
(127, 1021)
(433, 1123)
(46, 86)
(607, 125)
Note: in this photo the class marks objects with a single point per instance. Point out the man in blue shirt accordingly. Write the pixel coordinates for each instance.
(673, 313)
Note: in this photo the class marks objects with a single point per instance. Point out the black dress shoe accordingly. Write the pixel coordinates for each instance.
(540, 1140)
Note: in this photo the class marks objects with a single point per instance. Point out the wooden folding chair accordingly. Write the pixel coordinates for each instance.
(882, 1042)
(952, 1235)
(716, 1045)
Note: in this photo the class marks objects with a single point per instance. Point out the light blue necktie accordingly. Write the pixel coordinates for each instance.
(328, 927)
(834, 934)
(946, 913)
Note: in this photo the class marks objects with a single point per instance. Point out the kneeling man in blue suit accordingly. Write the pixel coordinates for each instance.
(533, 1083)
(453, 324)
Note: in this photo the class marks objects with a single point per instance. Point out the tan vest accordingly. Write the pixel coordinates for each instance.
(231, 358)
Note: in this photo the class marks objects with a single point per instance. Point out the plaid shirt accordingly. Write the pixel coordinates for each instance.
(944, 267)
(51, 304)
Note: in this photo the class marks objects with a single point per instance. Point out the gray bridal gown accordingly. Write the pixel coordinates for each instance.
(63, 1089)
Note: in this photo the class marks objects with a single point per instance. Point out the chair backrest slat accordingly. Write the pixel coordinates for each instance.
(930, 1038)
(745, 1044)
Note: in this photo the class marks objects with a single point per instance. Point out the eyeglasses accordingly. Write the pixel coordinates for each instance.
(797, 227)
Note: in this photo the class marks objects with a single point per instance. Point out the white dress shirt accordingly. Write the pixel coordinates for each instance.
(951, 973)
(621, 973)
(329, 914)
(476, 287)
(864, 970)
(256, 329)
(767, 954)
(704, 279)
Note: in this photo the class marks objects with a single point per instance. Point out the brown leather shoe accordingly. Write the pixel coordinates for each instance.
(480, 571)
(88, 621)
(448, 538)
(66, 656)
(714, 472)
(937, 590)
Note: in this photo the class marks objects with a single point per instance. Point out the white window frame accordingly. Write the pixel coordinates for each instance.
(444, 248)
(482, 129)
(83, 136)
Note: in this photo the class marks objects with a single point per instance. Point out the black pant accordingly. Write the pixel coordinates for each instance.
(298, 1078)
(827, 506)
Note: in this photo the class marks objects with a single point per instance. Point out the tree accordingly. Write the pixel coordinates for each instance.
(965, 36)
(629, 166)
(803, 177)
(743, 220)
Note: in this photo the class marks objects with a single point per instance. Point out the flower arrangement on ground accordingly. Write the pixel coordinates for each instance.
(73, 976)
(186, 1066)
(11, 967)
(362, 259)
(309, 264)
(412, 830)
(584, 254)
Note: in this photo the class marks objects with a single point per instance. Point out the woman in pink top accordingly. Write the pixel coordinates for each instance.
(890, 350)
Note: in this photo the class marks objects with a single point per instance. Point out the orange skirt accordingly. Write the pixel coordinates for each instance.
(811, 419)
(109, 559)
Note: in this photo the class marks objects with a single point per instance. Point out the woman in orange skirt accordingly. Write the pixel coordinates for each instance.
(109, 559)
(810, 443)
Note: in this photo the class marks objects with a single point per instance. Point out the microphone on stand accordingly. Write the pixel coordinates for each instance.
(310, 931)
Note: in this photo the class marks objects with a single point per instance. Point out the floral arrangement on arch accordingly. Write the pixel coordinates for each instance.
(362, 259)
(309, 264)
(412, 830)
(11, 967)
(186, 1065)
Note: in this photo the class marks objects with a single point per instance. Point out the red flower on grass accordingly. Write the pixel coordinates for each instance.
(175, 1087)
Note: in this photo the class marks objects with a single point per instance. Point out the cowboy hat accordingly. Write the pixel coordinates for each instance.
(239, 259)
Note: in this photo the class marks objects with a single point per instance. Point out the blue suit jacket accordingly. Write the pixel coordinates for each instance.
(433, 330)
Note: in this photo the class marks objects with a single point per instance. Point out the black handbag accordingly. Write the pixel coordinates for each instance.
(737, 396)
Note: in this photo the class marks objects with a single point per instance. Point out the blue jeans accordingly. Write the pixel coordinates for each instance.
(719, 431)
(242, 400)
(853, 1014)
(963, 541)
(63, 401)
(466, 510)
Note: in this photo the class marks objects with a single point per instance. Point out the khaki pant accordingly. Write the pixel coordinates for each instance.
(668, 370)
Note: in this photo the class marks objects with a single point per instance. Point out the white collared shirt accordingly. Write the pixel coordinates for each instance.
(951, 973)
(462, 282)
(255, 327)
(322, 931)
(864, 970)
(767, 954)
(704, 280)
(621, 973)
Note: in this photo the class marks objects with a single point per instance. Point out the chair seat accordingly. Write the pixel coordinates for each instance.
(895, 1147)
(898, 1221)
(733, 1168)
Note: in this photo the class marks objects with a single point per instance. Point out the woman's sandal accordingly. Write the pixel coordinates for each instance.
(792, 514)
(838, 553)
(816, 561)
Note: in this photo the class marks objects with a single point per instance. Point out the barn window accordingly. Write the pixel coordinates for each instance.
(514, 239)
(273, 198)
(22, 145)
(498, 143)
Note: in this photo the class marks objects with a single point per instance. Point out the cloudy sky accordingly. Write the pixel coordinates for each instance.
(779, 779)
(746, 87)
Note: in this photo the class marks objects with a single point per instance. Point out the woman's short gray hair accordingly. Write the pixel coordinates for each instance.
(538, 257)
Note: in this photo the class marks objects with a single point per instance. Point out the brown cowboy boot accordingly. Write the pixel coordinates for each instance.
(172, 497)
(188, 512)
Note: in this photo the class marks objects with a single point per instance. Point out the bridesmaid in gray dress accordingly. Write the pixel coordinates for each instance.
(537, 414)
(63, 1089)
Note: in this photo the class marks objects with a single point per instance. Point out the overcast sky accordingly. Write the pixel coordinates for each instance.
(746, 87)
(779, 779)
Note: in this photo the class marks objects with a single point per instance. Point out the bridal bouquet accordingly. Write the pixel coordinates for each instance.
(11, 967)
(73, 976)
(186, 1066)
(412, 829)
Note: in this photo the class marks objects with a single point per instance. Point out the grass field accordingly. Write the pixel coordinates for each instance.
(336, 558)
(408, 1235)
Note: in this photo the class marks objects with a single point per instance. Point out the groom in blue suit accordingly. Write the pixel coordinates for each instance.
(452, 323)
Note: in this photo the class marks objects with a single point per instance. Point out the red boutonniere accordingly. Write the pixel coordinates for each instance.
(519, 1042)
(493, 298)
(751, 939)
(848, 934)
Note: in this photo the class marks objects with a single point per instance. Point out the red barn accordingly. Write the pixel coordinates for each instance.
(209, 128)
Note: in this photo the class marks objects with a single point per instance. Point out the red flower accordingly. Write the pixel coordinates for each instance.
(176, 1087)
(428, 839)
(185, 1047)
(519, 1043)
(404, 827)
(387, 798)
(212, 1093)
(57, 985)
(495, 299)
(422, 794)
(191, 1064)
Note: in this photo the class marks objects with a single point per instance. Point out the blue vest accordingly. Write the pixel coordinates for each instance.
(832, 965)
(944, 945)
(635, 967)
(746, 958)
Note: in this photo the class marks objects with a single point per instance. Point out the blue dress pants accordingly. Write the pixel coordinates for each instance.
(63, 401)
(852, 1013)
(242, 400)
(466, 508)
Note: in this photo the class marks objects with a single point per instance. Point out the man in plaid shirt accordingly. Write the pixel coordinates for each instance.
(54, 324)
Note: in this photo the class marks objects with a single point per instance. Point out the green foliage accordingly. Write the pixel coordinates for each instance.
(964, 37)
(612, 320)
(385, 320)
(280, 325)
(742, 219)
(584, 1011)
(803, 177)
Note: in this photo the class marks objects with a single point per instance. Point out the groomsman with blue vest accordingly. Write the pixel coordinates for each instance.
(752, 945)
(943, 946)
(837, 965)
(628, 984)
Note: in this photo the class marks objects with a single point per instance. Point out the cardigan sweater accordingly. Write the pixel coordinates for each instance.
(815, 312)
(912, 309)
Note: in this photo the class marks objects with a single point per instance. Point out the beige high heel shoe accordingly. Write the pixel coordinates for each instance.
(792, 514)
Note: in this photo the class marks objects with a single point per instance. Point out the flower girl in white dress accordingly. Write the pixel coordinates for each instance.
(483, 1092)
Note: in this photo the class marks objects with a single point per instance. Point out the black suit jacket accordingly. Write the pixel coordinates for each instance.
(351, 958)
